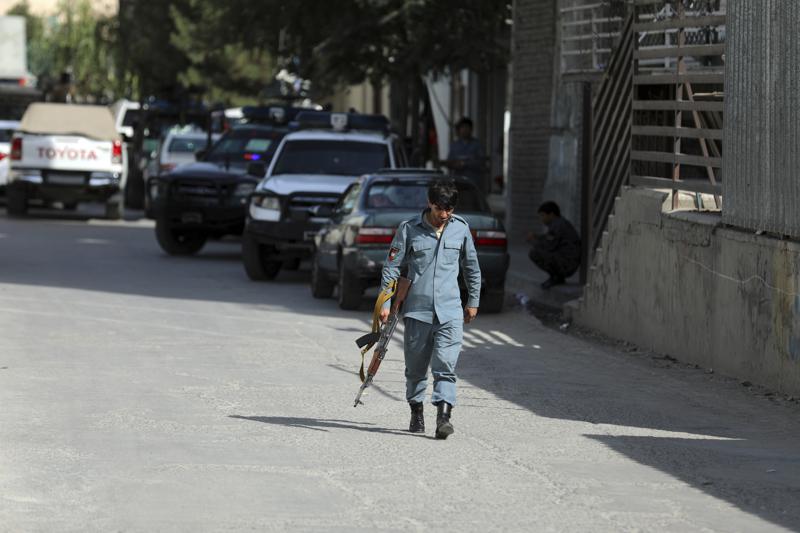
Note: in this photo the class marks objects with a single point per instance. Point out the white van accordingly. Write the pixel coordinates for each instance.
(68, 154)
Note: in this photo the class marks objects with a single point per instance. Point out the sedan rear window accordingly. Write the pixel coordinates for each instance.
(5, 135)
(344, 158)
(185, 146)
(414, 195)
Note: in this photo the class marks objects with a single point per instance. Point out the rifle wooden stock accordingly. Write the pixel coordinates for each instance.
(374, 364)
(401, 292)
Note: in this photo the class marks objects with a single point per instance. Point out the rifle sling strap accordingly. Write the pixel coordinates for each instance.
(384, 296)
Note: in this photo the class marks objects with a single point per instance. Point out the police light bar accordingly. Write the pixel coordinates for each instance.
(341, 121)
(270, 114)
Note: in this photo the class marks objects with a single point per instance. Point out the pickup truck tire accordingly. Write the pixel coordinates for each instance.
(179, 241)
(114, 209)
(257, 262)
(134, 190)
(492, 301)
(16, 201)
(351, 290)
(292, 264)
(321, 286)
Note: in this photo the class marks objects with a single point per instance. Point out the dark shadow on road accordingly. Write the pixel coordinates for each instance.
(321, 424)
(72, 252)
(745, 437)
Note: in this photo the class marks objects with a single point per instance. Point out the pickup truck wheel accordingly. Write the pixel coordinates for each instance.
(321, 286)
(134, 190)
(292, 264)
(257, 260)
(16, 201)
(113, 209)
(492, 301)
(179, 241)
(350, 290)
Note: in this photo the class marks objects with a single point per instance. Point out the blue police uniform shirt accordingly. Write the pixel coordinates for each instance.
(433, 268)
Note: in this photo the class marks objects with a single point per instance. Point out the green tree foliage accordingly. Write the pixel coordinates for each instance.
(148, 62)
(219, 58)
(349, 41)
(77, 41)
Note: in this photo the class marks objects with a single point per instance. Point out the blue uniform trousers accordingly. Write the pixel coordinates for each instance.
(436, 345)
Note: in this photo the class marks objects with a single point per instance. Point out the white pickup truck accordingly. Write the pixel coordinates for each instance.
(66, 153)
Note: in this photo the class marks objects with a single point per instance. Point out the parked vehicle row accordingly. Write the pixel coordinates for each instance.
(297, 184)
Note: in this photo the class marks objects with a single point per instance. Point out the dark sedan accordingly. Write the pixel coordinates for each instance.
(351, 248)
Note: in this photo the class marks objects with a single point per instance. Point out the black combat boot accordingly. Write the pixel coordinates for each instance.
(417, 424)
(443, 426)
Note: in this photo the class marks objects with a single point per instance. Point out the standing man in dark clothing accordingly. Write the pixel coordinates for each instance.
(466, 157)
(436, 246)
(557, 252)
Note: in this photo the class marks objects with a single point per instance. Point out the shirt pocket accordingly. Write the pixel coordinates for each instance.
(451, 250)
(421, 251)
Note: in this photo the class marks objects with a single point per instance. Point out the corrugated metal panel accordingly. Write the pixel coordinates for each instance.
(761, 189)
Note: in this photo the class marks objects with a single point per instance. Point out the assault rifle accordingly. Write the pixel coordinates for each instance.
(381, 336)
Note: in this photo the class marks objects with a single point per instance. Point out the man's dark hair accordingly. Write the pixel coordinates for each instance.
(551, 208)
(465, 121)
(443, 193)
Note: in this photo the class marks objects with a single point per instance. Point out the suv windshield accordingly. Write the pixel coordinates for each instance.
(246, 144)
(342, 158)
(414, 196)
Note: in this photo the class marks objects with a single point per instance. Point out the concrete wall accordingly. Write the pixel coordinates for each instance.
(533, 48)
(762, 116)
(563, 184)
(682, 284)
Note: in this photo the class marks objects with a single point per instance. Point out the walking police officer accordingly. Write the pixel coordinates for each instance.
(435, 246)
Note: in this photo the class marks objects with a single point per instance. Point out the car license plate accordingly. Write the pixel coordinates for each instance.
(191, 218)
(65, 179)
(309, 235)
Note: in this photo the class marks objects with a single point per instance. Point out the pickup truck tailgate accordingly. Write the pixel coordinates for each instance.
(68, 153)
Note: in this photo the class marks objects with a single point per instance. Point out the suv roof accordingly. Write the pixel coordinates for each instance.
(328, 135)
(409, 170)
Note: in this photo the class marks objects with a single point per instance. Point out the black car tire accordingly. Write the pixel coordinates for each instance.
(256, 258)
(292, 264)
(350, 290)
(321, 286)
(492, 301)
(134, 190)
(114, 209)
(16, 201)
(178, 241)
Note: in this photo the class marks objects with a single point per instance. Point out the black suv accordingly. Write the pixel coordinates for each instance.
(209, 198)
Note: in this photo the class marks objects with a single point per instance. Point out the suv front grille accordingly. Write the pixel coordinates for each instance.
(197, 192)
(299, 203)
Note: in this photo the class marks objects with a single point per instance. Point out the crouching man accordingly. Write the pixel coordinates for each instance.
(435, 246)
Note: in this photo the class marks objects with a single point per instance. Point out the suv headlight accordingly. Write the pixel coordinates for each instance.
(265, 207)
(266, 202)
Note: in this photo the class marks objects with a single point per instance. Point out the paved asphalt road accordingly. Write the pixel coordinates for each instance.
(142, 392)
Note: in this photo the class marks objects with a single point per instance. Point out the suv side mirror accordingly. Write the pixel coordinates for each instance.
(200, 154)
(259, 170)
(322, 211)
